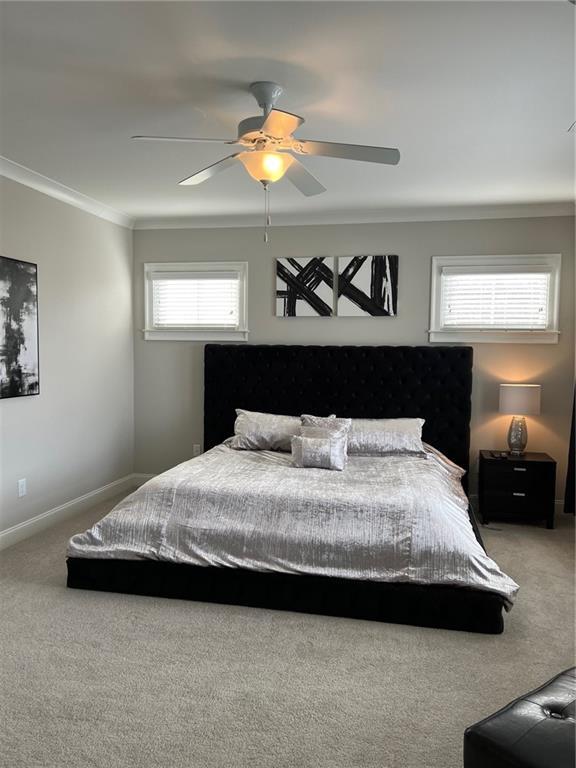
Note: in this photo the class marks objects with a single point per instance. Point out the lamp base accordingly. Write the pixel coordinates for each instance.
(517, 436)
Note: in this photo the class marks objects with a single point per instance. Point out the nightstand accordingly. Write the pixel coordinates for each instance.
(517, 487)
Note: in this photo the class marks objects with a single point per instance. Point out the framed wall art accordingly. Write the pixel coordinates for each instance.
(367, 285)
(305, 287)
(19, 367)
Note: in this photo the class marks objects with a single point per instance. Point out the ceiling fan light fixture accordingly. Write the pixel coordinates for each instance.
(270, 149)
(264, 166)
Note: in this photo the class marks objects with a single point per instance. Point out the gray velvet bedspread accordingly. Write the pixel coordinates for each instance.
(388, 518)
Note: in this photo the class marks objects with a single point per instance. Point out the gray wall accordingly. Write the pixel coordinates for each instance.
(78, 433)
(168, 375)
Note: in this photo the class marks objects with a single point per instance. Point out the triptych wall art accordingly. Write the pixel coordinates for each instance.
(354, 286)
(18, 328)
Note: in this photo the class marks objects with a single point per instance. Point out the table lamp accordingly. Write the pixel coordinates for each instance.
(520, 400)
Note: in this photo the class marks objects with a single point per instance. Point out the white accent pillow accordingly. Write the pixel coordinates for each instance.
(321, 452)
(369, 437)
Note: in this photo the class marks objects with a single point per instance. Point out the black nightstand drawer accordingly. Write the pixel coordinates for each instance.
(505, 471)
(515, 502)
(507, 477)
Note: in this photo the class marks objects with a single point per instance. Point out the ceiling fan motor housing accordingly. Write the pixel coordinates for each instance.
(249, 128)
(250, 134)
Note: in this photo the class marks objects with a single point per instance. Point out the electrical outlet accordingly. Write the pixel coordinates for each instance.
(22, 487)
(196, 450)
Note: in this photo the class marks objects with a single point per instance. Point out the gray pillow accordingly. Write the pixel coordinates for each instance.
(334, 425)
(379, 436)
(323, 432)
(321, 452)
(254, 431)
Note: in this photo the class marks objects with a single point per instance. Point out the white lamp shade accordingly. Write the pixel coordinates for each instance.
(520, 399)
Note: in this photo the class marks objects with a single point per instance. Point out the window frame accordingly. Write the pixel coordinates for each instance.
(199, 333)
(547, 262)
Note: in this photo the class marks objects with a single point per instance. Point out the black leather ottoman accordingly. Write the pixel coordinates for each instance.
(534, 731)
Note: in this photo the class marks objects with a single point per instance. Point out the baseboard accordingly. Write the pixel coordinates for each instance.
(558, 506)
(46, 519)
(140, 478)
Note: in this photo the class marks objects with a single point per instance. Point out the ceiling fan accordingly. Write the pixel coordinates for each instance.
(270, 150)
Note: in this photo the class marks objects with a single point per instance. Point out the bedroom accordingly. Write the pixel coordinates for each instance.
(292, 667)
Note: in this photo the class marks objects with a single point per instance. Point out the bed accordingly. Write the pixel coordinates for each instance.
(258, 556)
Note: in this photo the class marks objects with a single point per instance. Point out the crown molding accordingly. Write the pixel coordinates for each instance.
(381, 216)
(29, 178)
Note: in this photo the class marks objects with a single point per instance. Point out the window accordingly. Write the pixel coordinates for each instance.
(196, 301)
(495, 298)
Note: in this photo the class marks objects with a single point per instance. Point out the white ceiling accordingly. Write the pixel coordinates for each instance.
(478, 96)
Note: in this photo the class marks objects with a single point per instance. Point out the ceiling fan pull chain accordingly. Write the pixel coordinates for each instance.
(266, 209)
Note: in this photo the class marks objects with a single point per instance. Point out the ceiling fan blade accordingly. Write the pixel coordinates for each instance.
(303, 179)
(385, 155)
(183, 138)
(211, 170)
(281, 124)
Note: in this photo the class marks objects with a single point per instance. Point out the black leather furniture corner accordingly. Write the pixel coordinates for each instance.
(534, 731)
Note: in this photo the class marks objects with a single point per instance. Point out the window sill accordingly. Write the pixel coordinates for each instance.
(215, 334)
(495, 337)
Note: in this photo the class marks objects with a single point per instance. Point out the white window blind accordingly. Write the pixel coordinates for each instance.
(495, 300)
(506, 299)
(196, 301)
(201, 300)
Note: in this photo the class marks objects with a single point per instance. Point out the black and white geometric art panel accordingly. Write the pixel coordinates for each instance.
(18, 328)
(305, 287)
(367, 285)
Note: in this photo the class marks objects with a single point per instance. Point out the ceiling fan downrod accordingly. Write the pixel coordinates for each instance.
(266, 94)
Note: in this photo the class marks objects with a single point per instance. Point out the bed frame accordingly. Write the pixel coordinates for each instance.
(362, 382)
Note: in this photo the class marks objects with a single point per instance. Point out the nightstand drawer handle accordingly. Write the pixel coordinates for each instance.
(519, 469)
(518, 494)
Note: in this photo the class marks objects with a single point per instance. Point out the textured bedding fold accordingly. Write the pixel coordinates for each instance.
(388, 518)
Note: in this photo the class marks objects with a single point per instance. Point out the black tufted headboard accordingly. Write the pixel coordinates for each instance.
(434, 383)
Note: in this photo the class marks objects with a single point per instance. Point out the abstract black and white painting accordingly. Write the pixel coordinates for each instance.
(304, 287)
(367, 285)
(18, 328)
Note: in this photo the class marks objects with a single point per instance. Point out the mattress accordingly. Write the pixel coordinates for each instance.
(385, 518)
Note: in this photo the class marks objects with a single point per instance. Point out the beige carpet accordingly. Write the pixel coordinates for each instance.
(111, 681)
